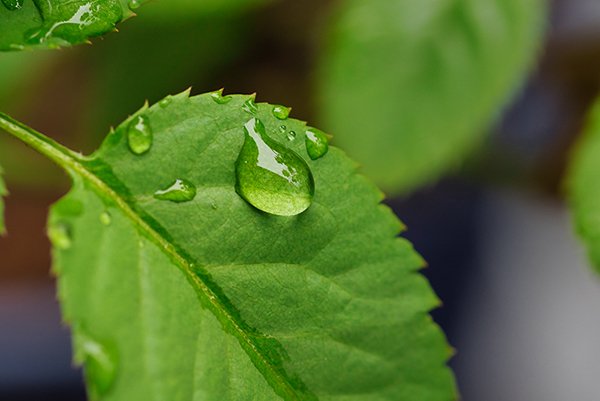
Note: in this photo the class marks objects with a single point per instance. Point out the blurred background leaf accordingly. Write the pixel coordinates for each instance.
(408, 88)
(583, 184)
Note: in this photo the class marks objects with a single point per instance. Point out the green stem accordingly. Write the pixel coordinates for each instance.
(53, 150)
(74, 163)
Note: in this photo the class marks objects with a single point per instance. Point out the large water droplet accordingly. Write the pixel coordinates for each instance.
(250, 107)
(179, 191)
(12, 5)
(218, 97)
(317, 144)
(60, 235)
(100, 365)
(281, 112)
(139, 135)
(271, 177)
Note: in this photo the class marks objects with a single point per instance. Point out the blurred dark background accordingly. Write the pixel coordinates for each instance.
(519, 301)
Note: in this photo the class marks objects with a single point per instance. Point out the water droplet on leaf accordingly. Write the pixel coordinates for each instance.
(100, 365)
(139, 135)
(271, 177)
(73, 21)
(60, 235)
(105, 218)
(282, 129)
(179, 191)
(218, 97)
(165, 102)
(12, 5)
(133, 4)
(317, 144)
(250, 107)
(291, 135)
(281, 112)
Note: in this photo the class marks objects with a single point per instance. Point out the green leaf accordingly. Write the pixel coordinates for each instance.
(408, 87)
(58, 23)
(3, 192)
(211, 299)
(583, 185)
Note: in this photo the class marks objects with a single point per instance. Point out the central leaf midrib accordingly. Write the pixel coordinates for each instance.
(203, 288)
(71, 162)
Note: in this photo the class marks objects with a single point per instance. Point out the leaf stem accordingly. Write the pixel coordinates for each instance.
(56, 152)
(73, 163)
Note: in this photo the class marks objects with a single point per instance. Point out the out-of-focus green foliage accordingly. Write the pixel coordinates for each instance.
(583, 185)
(407, 87)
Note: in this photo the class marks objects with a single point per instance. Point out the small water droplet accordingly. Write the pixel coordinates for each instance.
(271, 177)
(250, 107)
(213, 205)
(291, 135)
(179, 191)
(105, 218)
(13, 5)
(165, 102)
(139, 135)
(100, 364)
(60, 235)
(218, 97)
(282, 129)
(317, 144)
(133, 4)
(281, 112)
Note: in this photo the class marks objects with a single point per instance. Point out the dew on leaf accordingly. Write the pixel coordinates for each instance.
(250, 107)
(271, 177)
(60, 235)
(291, 135)
(317, 143)
(133, 4)
(139, 135)
(12, 5)
(281, 112)
(105, 218)
(100, 365)
(217, 97)
(282, 129)
(166, 101)
(179, 191)
(73, 22)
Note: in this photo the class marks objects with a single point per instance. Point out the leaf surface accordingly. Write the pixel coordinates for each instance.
(408, 87)
(58, 23)
(583, 185)
(212, 299)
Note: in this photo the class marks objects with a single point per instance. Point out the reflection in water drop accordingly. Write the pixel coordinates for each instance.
(218, 97)
(166, 101)
(250, 107)
(180, 191)
(13, 5)
(139, 135)
(60, 235)
(105, 218)
(100, 364)
(317, 144)
(281, 112)
(271, 177)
